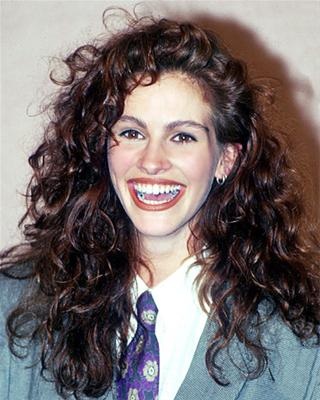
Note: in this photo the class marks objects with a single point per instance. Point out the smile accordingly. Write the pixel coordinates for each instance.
(155, 196)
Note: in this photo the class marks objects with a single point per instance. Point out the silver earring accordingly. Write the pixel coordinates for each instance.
(221, 181)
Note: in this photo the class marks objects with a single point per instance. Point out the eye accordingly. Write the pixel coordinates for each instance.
(183, 138)
(131, 134)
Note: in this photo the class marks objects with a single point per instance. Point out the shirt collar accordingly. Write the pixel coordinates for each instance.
(178, 287)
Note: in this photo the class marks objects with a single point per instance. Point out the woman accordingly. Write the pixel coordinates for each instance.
(158, 183)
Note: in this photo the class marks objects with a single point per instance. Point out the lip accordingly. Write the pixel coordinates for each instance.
(154, 207)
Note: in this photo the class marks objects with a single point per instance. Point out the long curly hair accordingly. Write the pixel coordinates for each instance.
(80, 250)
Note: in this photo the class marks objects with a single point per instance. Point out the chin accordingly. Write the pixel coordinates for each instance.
(152, 232)
(156, 228)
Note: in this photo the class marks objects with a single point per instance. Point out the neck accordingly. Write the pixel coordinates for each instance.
(164, 256)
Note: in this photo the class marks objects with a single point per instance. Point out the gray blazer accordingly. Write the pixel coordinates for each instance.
(293, 371)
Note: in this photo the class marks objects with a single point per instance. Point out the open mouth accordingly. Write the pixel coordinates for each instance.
(155, 196)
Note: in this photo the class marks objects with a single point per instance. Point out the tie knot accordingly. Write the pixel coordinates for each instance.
(147, 310)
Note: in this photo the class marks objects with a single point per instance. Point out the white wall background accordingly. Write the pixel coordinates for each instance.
(280, 40)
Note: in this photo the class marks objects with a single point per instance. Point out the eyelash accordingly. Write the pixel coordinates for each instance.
(131, 134)
(186, 138)
(180, 138)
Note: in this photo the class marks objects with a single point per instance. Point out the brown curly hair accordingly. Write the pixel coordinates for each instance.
(80, 249)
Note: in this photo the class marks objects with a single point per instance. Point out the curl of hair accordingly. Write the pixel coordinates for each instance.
(81, 251)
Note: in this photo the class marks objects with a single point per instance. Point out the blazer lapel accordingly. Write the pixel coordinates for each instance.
(198, 384)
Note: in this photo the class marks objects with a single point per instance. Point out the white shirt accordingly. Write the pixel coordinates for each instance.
(179, 325)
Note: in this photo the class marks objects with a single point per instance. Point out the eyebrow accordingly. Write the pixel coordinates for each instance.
(189, 123)
(169, 126)
(128, 118)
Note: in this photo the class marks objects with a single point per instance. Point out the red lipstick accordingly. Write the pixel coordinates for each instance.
(155, 194)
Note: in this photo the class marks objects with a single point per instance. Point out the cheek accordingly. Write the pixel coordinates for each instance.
(200, 168)
(119, 162)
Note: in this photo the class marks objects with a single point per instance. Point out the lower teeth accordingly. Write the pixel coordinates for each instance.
(141, 197)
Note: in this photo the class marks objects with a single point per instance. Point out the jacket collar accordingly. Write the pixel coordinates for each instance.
(198, 384)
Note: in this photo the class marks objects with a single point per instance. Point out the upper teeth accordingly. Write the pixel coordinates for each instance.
(156, 188)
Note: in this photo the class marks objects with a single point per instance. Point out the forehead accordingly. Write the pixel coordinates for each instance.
(172, 96)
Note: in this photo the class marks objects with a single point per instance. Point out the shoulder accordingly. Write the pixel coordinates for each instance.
(292, 371)
(21, 377)
(11, 291)
(298, 358)
(293, 367)
(280, 341)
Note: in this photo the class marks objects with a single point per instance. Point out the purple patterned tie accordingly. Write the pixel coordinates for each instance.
(140, 378)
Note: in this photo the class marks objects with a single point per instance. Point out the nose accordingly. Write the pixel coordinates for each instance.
(153, 159)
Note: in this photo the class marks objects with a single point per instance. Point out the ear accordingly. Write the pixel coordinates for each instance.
(229, 154)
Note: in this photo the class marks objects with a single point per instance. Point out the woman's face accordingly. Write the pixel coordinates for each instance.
(164, 163)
